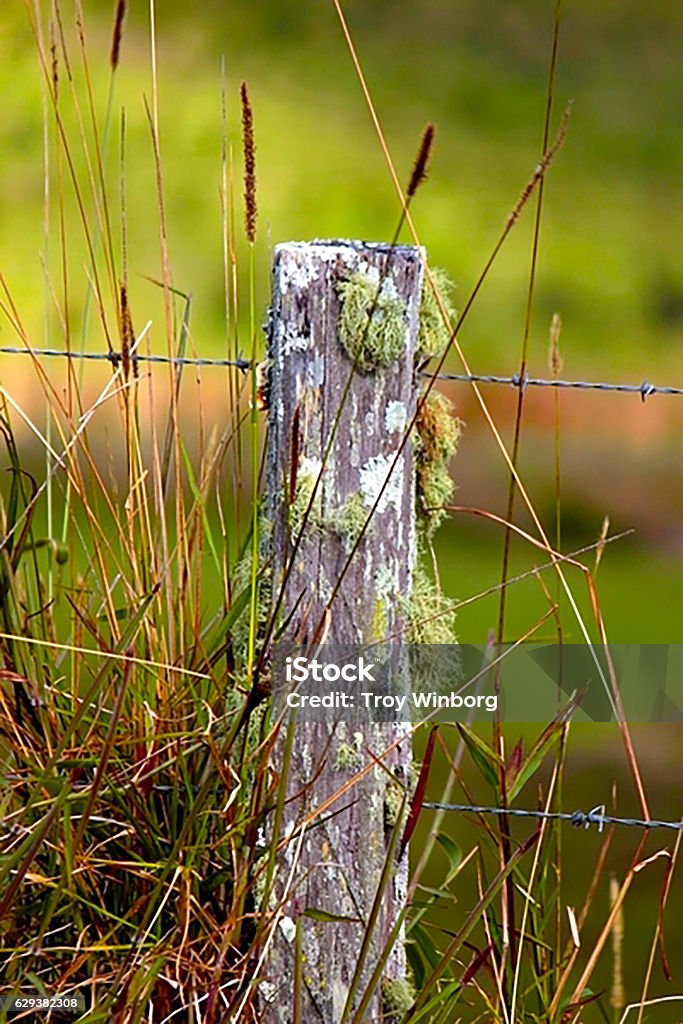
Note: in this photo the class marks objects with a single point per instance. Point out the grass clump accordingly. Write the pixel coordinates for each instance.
(372, 323)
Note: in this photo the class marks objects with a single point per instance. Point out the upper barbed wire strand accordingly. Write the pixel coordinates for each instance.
(644, 389)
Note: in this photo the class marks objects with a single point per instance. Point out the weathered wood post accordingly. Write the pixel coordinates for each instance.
(323, 293)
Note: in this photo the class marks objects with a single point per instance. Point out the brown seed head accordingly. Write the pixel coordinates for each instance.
(54, 61)
(127, 335)
(249, 165)
(117, 34)
(420, 166)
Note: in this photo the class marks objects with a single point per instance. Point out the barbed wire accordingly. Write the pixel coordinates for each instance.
(645, 389)
(580, 819)
(116, 358)
(516, 380)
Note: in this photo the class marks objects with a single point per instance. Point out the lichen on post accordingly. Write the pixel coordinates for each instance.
(342, 334)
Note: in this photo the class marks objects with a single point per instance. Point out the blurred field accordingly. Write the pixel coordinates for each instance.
(611, 228)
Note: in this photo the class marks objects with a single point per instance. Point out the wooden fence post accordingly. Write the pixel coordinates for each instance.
(322, 295)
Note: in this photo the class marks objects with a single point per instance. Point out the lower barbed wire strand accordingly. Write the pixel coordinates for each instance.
(580, 819)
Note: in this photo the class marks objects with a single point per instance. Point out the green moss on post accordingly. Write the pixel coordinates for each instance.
(305, 485)
(348, 521)
(347, 757)
(372, 327)
(438, 433)
(434, 334)
(430, 614)
(398, 996)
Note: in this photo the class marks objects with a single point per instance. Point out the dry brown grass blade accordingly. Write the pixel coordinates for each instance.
(605, 931)
(420, 791)
(658, 939)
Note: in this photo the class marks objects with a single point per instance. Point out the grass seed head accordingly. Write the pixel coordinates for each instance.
(250, 209)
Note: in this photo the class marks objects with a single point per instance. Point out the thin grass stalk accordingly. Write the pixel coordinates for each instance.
(608, 925)
(658, 937)
(297, 994)
(376, 976)
(231, 328)
(278, 812)
(98, 180)
(512, 488)
(504, 826)
(571, 952)
(517, 966)
(173, 613)
(617, 999)
(555, 359)
(254, 433)
(235, 292)
(91, 238)
(250, 214)
(46, 293)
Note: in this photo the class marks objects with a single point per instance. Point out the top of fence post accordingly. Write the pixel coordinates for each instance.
(322, 294)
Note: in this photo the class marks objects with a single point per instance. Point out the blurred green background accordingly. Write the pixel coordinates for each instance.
(610, 244)
(609, 258)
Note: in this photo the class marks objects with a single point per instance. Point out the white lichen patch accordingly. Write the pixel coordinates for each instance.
(297, 270)
(289, 851)
(395, 417)
(378, 478)
(386, 581)
(389, 290)
(324, 588)
(292, 341)
(315, 372)
(288, 928)
(370, 422)
(355, 433)
(267, 990)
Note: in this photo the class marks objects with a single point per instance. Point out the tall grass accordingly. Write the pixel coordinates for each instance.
(141, 807)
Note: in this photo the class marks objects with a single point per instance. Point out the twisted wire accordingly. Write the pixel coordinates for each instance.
(645, 389)
(580, 819)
